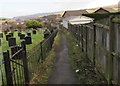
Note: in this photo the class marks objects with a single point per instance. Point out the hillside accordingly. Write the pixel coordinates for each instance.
(57, 13)
(36, 15)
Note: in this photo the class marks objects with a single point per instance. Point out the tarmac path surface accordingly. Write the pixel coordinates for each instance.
(62, 69)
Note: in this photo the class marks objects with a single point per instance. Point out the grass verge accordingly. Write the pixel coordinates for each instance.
(82, 65)
(45, 69)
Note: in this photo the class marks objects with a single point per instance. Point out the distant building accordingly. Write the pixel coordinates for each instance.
(101, 10)
(104, 10)
(69, 15)
(75, 17)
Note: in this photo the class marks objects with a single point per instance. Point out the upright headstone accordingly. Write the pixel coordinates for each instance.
(19, 34)
(51, 30)
(11, 34)
(1, 35)
(29, 34)
(0, 42)
(34, 31)
(16, 30)
(7, 36)
(22, 36)
(28, 40)
(46, 34)
(11, 41)
(5, 32)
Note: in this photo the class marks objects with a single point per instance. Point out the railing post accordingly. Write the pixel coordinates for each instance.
(86, 41)
(78, 36)
(8, 68)
(51, 42)
(25, 63)
(112, 43)
(94, 51)
(42, 58)
(118, 68)
(82, 38)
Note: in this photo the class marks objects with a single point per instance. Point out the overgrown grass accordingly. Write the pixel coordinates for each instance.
(117, 20)
(83, 66)
(45, 69)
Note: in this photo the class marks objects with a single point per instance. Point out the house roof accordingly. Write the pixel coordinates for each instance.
(111, 8)
(73, 13)
(99, 10)
(107, 9)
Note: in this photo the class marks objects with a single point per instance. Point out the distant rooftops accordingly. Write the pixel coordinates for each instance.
(105, 9)
(74, 13)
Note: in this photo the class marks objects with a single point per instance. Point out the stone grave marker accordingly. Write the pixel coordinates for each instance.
(34, 31)
(11, 41)
(22, 36)
(29, 34)
(19, 34)
(7, 36)
(28, 40)
(11, 34)
(1, 35)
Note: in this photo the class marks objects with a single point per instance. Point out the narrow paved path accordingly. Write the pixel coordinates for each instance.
(62, 70)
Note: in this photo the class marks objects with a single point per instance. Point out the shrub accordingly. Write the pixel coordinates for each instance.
(34, 24)
(98, 16)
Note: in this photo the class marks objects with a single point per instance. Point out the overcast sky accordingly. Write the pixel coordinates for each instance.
(11, 8)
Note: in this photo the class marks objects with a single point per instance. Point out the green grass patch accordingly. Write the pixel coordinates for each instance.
(80, 63)
(116, 20)
(36, 39)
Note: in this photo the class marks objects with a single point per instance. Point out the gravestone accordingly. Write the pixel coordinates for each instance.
(0, 42)
(14, 50)
(46, 34)
(5, 32)
(29, 34)
(22, 36)
(51, 30)
(34, 31)
(19, 34)
(15, 30)
(1, 35)
(11, 41)
(7, 36)
(28, 40)
(11, 34)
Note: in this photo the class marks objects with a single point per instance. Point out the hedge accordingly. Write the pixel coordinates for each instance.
(98, 16)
